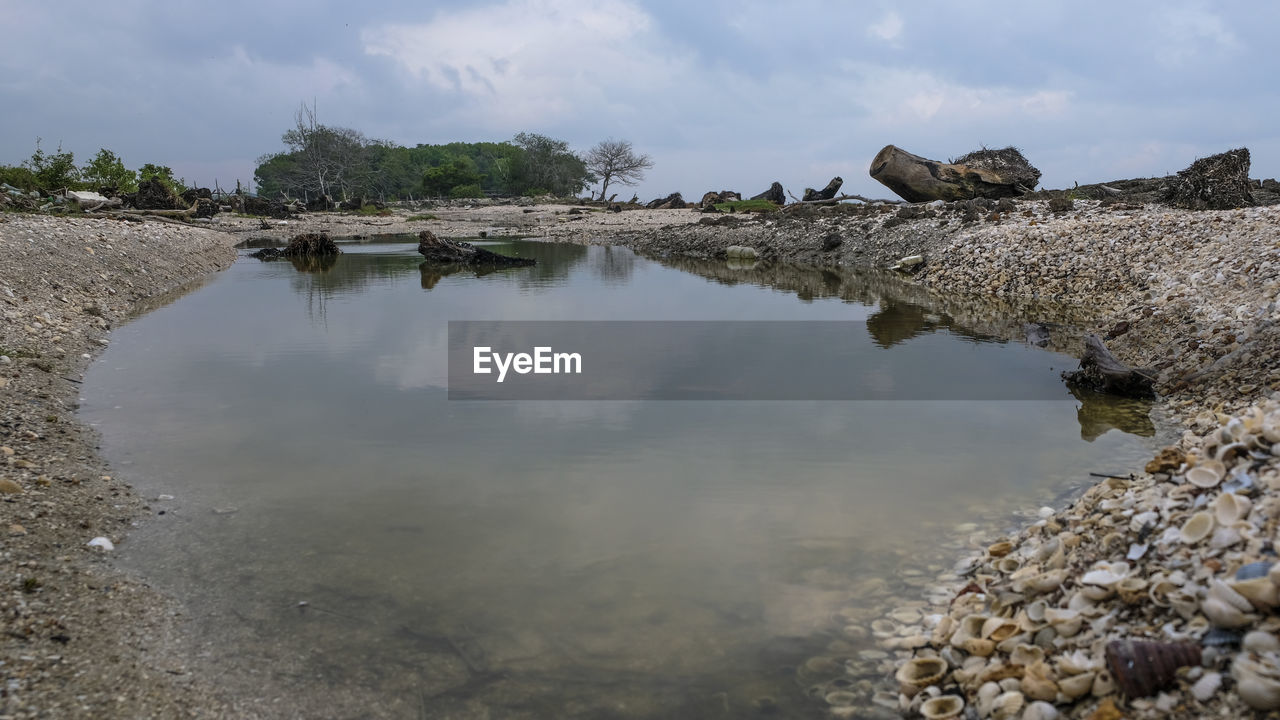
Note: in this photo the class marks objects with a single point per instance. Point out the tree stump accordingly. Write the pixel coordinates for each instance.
(985, 173)
(825, 193)
(774, 195)
(1100, 371)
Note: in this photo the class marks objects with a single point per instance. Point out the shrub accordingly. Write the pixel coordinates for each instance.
(107, 170)
(19, 177)
(466, 191)
(56, 171)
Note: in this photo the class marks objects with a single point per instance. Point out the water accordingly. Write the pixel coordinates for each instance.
(349, 543)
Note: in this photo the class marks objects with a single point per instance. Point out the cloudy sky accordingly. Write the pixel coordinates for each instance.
(721, 94)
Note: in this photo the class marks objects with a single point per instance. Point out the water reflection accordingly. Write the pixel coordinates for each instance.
(544, 559)
(1099, 413)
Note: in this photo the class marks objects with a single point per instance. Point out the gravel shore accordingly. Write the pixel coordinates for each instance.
(82, 640)
(1190, 294)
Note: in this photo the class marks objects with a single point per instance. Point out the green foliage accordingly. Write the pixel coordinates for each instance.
(54, 171)
(372, 210)
(415, 218)
(164, 175)
(747, 206)
(459, 172)
(19, 177)
(536, 192)
(106, 170)
(466, 191)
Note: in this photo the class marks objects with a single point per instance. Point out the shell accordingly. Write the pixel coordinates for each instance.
(919, 673)
(942, 707)
(1040, 710)
(1204, 477)
(1254, 570)
(1106, 574)
(1000, 549)
(999, 629)
(1133, 590)
(1037, 682)
(1230, 507)
(1196, 528)
(1026, 654)
(1223, 614)
(1259, 642)
(978, 646)
(1035, 611)
(1064, 622)
(1223, 591)
(1257, 682)
(1007, 705)
(1259, 591)
(1076, 686)
(1142, 667)
(1075, 663)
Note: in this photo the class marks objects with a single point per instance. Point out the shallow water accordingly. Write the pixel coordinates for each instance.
(350, 543)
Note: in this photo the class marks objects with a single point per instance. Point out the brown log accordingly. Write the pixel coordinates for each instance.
(1100, 371)
(919, 179)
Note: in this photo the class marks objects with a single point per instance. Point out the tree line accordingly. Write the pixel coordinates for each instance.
(342, 163)
(53, 171)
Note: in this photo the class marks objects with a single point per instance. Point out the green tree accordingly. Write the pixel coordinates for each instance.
(165, 175)
(106, 170)
(56, 171)
(441, 179)
(548, 163)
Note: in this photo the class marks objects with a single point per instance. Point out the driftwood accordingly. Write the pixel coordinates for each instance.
(1100, 371)
(443, 252)
(840, 198)
(986, 173)
(826, 193)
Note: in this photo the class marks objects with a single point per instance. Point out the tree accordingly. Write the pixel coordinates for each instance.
(56, 171)
(615, 161)
(108, 170)
(164, 174)
(328, 160)
(549, 165)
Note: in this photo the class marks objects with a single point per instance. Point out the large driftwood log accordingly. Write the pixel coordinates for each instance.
(444, 252)
(986, 173)
(1100, 371)
(825, 193)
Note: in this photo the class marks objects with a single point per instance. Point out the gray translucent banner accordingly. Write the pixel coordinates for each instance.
(739, 361)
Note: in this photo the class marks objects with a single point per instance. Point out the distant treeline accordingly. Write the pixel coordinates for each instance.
(342, 163)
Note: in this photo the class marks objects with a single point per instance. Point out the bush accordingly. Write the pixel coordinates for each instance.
(466, 191)
(19, 177)
(56, 171)
(536, 192)
(373, 210)
(106, 170)
(164, 175)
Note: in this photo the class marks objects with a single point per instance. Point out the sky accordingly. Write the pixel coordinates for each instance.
(721, 95)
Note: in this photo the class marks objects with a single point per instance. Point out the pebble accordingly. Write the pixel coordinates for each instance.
(9, 487)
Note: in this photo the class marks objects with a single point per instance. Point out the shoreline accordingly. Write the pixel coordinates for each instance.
(1164, 292)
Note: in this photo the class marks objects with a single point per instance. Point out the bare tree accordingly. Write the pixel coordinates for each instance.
(614, 161)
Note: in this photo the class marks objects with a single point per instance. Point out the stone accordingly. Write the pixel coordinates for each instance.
(9, 487)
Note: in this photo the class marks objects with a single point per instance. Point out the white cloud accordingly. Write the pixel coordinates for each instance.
(889, 28)
(531, 61)
(1190, 32)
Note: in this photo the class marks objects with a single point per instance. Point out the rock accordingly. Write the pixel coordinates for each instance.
(101, 543)
(9, 487)
(825, 193)
(831, 242)
(1218, 182)
(741, 252)
(87, 199)
(16, 530)
(774, 194)
(984, 173)
(1061, 204)
(671, 202)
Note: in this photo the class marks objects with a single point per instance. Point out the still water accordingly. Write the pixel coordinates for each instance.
(349, 543)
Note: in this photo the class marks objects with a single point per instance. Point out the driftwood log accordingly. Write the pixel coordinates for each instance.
(442, 252)
(1100, 371)
(825, 193)
(986, 173)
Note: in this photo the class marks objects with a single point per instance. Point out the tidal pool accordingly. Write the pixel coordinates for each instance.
(350, 543)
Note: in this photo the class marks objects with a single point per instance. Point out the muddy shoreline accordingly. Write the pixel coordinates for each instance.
(1192, 294)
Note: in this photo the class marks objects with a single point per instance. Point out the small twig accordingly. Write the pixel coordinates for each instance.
(1111, 477)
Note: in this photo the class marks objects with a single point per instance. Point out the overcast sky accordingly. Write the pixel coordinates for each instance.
(722, 95)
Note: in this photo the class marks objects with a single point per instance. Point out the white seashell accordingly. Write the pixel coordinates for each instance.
(978, 646)
(1026, 654)
(1196, 528)
(943, 707)
(1256, 682)
(1223, 614)
(1064, 622)
(1038, 683)
(1035, 610)
(1075, 663)
(1103, 684)
(1207, 686)
(883, 628)
(1042, 583)
(1207, 474)
(1230, 507)
(1260, 642)
(102, 543)
(1007, 706)
(1261, 592)
(1132, 590)
(970, 626)
(1106, 574)
(987, 695)
(999, 629)
(1225, 537)
(1136, 551)
(1040, 710)
(919, 673)
(1223, 591)
(1076, 686)
(1008, 564)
